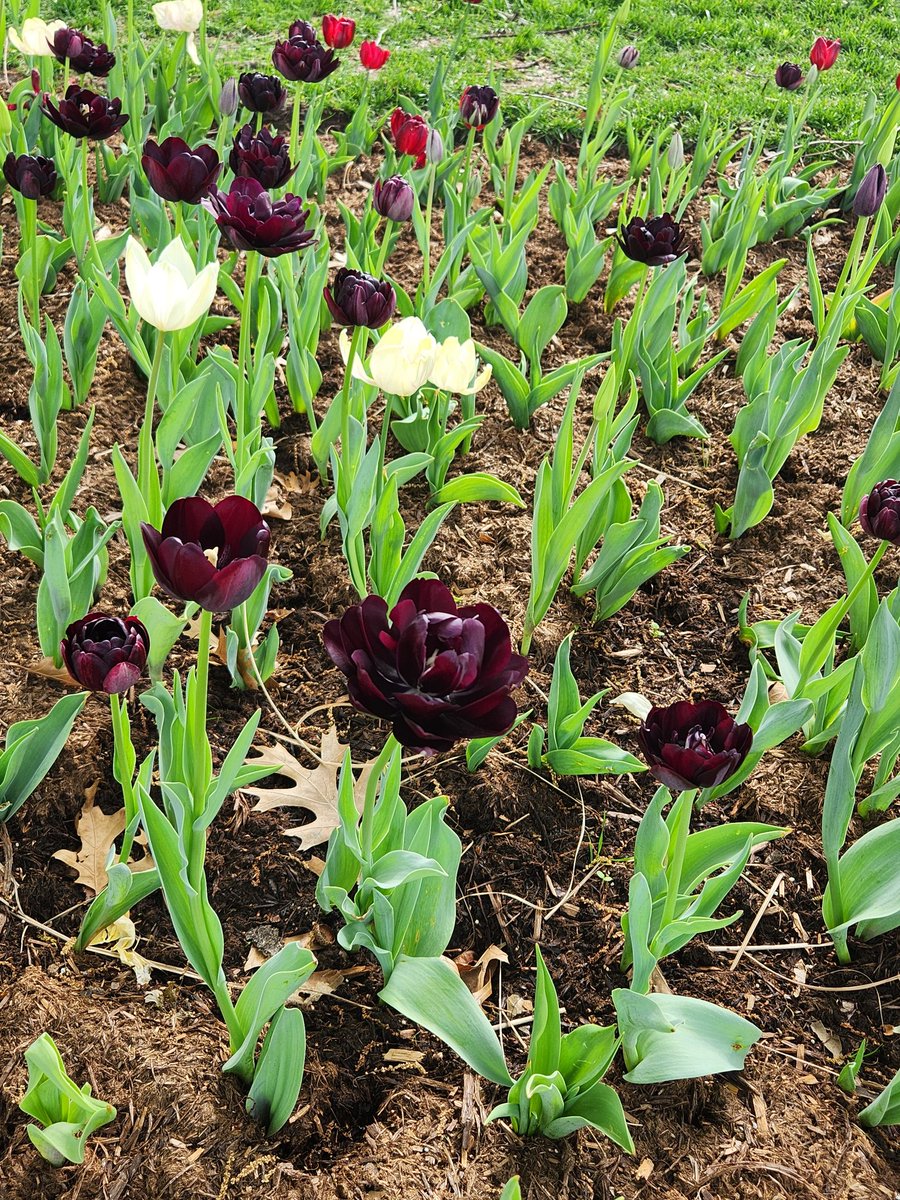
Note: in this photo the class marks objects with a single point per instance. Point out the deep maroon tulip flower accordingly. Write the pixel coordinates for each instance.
(338, 32)
(213, 555)
(824, 53)
(356, 298)
(176, 172)
(252, 220)
(261, 93)
(879, 512)
(654, 241)
(478, 106)
(410, 134)
(84, 114)
(439, 672)
(303, 61)
(693, 745)
(303, 29)
(393, 198)
(372, 56)
(31, 174)
(68, 45)
(106, 654)
(261, 156)
(871, 192)
(788, 76)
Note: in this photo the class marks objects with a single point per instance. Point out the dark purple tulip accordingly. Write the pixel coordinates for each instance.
(654, 241)
(393, 198)
(252, 220)
(693, 745)
(81, 54)
(305, 30)
(214, 555)
(356, 298)
(879, 512)
(84, 114)
(176, 172)
(106, 654)
(871, 192)
(262, 93)
(788, 76)
(308, 62)
(31, 174)
(479, 105)
(439, 673)
(261, 156)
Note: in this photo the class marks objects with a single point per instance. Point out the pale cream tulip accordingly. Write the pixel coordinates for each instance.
(36, 36)
(455, 367)
(401, 362)
(179, 16)
(170, 293)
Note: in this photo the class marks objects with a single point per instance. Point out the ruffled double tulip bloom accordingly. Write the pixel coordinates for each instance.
(338, 32)
(360, 300)
(252, 220)
(410, 134)
(439, 673)
(75, 48)
(106, 654)
(304, 61)
(879, 512)
(393, 198)
(170, 293)
(373, 56)
(176, 172)
(31, 174)
(262, 156)
(84, 114)
(654, 241)
(788, 76)
(824, 53)
(478, 106)
(691, 746)
(407, 357)
(261, 93)
(211, 555)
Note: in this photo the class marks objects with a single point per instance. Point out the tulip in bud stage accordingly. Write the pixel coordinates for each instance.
(228, 97)
(628, 57)
(871, 192)
(393, 198)
(879, 512)
(788, 76)
(359, 299)
(305, 30)
(434, 148)
(675, 156)
(410, 134)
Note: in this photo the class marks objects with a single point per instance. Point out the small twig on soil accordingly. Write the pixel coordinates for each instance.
(760, 913)
(818, 987)
(770, 946)
(668, 475)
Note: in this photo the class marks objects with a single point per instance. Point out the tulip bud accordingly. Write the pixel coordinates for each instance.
(871, 192)
(228, 98)
(675, 157)
(338, 32)
(879, 512)
(393, 198)
(788, 76)
(410, 133)
(434, 147)
(628, 57)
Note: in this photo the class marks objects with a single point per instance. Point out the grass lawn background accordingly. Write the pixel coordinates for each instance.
(718, 53)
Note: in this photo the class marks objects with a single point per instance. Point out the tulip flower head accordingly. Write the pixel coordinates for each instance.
(303, 29)
(252, 220)
(84, 114)
(36, 38)
(788, 76)
(675, 153)
(628, 57)
(879, 512)
(176, 172)
(373, 56)
(871, 192)
(303, 61)
(434, 147)
(401, 363)
(693, 745)
(410, 134)
(338, 32)
(228, 97)
(439, 673)
(170, 293)
(262, 93)
(68, 45)
(261, 156)
(654, 241)
(31, 174)
(393, 198)
(213, 555)
(179, 16)
(455, 368)
(106, 654)
(358, 299)
(478, 106)
(824, 53)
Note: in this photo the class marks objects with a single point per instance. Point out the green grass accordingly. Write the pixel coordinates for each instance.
(718, 53)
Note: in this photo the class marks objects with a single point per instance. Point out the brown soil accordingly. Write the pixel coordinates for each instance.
(367, 1125)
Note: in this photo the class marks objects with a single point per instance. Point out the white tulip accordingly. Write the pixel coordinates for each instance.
(455, 367)
(170, 293)
(401, 362)
(180, 16)
(36, 36)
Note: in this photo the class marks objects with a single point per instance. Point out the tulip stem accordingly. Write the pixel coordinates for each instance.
(87, 200)
(29, 240)
(383, 249)
(679, 830)
(355, 344)
(253, 265)
(426, 263)
(295, 124)
(147, 473)
(123, 760)
(849, 269)
(199, 741)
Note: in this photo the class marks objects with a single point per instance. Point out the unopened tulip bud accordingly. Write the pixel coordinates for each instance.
(871, 192)
(675, 157)
(393, 198)
(628, 57)
(434, 147)
(228, 98)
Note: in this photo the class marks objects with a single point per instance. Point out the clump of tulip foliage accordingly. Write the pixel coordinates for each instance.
(226, 182)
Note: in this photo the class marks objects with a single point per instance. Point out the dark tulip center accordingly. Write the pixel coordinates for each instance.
(697, 741)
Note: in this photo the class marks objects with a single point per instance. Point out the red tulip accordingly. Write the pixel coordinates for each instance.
(338, 32)
(824, 53)
(372, 56)
(410, 134)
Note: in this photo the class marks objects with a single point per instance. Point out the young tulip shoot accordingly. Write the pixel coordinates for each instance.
(438, 672)
(176, 172)
(252, 220)
(358, 299)
(824, 53)
(879, 512)
(691, 746)
(262, 156)
(106, 654)
(213, 555)
(478, 106)
(788, 76)
(84, 114)
(372, 56)
(653, 241)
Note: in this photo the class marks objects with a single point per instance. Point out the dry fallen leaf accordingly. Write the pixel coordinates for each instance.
(121, 937)
(478, 976)
(47, 668)
(312, 788)
(276, 505)
(97, 831)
